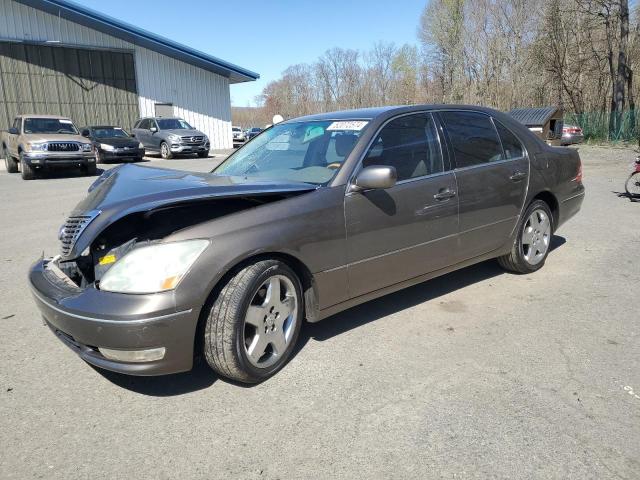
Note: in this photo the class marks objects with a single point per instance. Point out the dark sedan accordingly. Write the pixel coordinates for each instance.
(252, 132)
(314, 216)
(113, 144)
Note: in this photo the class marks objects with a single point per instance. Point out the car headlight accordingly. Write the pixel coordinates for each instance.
(87, 147)
(151, 269)
(107, 147)
(37, 147)
(140, 146)
(173, 137)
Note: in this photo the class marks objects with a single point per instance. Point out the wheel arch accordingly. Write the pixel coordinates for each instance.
(550, 199)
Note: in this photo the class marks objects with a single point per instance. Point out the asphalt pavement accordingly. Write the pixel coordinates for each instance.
(477, 374)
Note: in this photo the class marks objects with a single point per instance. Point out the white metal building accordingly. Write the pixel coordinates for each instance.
(57, 57)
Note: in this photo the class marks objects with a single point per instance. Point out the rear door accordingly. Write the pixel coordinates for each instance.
(408, 230)
(492, 180)
(140, 131)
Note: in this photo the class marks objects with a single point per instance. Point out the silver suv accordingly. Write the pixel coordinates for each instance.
(170, 136)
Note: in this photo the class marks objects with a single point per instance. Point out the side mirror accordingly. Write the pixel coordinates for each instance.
(153, 129)
(85, 133)
(375, 177)
(13, 131)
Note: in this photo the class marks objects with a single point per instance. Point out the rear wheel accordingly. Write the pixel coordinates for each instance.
(254, 322)
(531, 247)
(27, 171)
(10, 163)
(165, 151)
(633, 185)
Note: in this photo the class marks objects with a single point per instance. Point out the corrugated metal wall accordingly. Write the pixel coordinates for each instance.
(93, 87)
(200, 97)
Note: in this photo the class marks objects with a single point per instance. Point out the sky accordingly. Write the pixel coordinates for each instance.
(268, 36)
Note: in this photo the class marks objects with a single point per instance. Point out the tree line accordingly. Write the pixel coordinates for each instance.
(577, 54)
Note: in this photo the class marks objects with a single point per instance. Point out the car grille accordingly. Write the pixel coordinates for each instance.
(63, 147)
(72, 229)
(192, 140)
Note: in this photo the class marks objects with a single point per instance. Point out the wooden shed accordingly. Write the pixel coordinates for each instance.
(546, 122)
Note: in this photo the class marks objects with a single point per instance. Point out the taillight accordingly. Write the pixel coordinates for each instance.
(572, 130)
(578, 177)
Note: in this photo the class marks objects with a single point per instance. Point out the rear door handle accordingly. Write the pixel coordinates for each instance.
(516, 177)
(444, 194)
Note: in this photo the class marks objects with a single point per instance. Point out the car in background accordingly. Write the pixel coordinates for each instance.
(37, 143)
(252, 132)
(317, 215)
(571, 135)
(170, 137)
(239, 137)
(112, 143)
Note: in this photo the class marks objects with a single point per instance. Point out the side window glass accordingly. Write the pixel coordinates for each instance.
(510, 143)
(410, 144)
(16, 124)
(473, 138)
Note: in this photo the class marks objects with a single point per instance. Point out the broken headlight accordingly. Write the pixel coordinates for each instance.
(153, 268)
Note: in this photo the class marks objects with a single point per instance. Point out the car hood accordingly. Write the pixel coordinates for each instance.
(118, 141)
(131, 188)
(181, 132)
(52, 137)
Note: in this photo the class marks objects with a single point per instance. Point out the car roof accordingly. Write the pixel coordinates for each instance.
(103, 126)
(386, 111)
(35, 115)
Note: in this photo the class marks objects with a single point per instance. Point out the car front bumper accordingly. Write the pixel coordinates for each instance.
(121, 153)
(181, 148)
(59, 159)
(87, 319)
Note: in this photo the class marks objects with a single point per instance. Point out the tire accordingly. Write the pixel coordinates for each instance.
(90, 169)
(632, 185)
(28, 173)
(247, 338)
(10, 163)
(99, 158)
(165, 151)
(203, 154)
(531, 246)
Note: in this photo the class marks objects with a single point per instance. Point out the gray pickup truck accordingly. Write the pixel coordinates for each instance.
(36, 143)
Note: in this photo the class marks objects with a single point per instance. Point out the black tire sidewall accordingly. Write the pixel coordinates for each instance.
(536, 205)
(634, 195)
(26, 171)
(259, 374)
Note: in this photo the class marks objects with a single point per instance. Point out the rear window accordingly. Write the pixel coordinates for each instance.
(473, 138)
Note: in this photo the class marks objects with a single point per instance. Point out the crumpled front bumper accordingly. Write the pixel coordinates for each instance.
(86, 319)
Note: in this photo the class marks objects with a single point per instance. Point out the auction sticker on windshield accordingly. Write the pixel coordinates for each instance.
(348, 125)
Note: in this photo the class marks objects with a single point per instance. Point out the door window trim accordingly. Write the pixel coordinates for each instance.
(446, 164)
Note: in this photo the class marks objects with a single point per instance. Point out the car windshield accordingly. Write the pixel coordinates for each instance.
(173, 124)
(110, 132)
(235, 129)
(49, 125)
(254, 130)
(310, 152)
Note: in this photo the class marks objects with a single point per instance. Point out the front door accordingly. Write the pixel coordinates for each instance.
(492, 173)
(410, 229)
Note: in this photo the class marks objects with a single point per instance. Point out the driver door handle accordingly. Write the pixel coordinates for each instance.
(444, 194)
(516, 177)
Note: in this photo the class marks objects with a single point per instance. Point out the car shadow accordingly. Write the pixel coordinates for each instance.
(201, 376)
(66, 173)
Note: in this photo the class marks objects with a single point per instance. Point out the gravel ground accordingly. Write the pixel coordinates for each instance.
(476, 374)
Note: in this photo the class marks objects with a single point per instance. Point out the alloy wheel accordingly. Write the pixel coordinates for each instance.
(270, 321)
(536, 237)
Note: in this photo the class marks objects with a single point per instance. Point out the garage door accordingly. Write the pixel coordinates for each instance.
(89, 86)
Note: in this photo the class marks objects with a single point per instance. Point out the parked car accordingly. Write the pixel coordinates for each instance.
(37, 143)
(314, 216)
(239, 137)
(113, 143)
(571, 135)
(252, 132)
(170, 137)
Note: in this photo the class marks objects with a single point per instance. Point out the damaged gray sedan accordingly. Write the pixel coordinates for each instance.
(313, 216)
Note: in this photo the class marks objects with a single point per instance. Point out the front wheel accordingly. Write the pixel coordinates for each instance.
(27, 171)
(632, 186)
(90, 169)
(203, 154)
(10, 163)
(254, 322)
(165, 151)
(531, 247)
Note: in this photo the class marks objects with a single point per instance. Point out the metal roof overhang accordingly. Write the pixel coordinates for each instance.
(90, 18)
